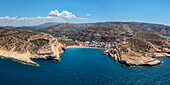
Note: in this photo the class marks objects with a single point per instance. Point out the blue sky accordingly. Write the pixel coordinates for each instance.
(34, 12)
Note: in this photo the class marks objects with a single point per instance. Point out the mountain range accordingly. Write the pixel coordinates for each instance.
(100, 31)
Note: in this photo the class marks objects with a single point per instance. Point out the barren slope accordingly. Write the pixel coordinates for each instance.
(22, 46)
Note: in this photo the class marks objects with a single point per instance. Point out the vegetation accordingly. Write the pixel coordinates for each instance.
(68, 43)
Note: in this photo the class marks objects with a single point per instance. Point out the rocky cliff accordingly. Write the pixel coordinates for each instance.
(140, 49)
(22, 46)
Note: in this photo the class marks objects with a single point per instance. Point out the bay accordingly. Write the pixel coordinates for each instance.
(82, 66)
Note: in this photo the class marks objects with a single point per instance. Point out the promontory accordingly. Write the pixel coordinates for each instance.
(23, 45)
(140, 49)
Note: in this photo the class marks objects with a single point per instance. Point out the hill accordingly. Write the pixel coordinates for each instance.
(140, 49)
(98, 34)
(23, 45)
(75, 31)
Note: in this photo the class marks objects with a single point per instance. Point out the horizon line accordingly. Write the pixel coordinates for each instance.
(90, 23)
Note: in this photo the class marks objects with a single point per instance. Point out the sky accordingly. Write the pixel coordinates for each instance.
(35, 12)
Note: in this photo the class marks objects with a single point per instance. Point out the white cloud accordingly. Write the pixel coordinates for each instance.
(7, 17)
(64, 14)
(88, 14)
(53, 16)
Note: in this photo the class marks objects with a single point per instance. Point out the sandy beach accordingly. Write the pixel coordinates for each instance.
(77, 46)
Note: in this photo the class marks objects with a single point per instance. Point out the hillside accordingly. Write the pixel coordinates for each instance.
(70, 29)
(64, 29)
(23, 45)
(140, 49)
(98, 34)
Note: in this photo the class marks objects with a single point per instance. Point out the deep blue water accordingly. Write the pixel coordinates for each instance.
(82, 66)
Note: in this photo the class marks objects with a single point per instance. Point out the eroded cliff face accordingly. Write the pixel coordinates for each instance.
(140, 49)
(22, 46)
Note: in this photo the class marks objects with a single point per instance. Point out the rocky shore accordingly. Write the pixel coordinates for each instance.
(22, 46)
(140, 49)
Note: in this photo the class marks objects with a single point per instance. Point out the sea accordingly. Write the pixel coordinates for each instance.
(83, 66)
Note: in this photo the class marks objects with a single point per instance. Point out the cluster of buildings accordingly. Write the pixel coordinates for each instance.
(96, 44)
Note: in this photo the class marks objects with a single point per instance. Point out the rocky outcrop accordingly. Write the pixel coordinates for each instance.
(140, 49)
(22, 46)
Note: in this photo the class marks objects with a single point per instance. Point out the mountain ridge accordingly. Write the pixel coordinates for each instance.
(75, 29)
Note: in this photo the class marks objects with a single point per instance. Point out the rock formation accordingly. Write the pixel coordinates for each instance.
(140, 49)
(22, 46)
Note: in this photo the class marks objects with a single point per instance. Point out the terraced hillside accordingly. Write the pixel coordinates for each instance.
(23, 45)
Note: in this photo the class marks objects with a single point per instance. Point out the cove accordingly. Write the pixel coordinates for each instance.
(84, 66)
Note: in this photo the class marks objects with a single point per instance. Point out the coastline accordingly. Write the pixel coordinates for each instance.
(77, 46)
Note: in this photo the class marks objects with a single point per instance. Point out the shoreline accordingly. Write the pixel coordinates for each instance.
(77, 46)
(20, 61)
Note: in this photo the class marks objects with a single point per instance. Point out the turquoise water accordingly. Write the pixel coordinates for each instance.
(167, 36)
(82, 66)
